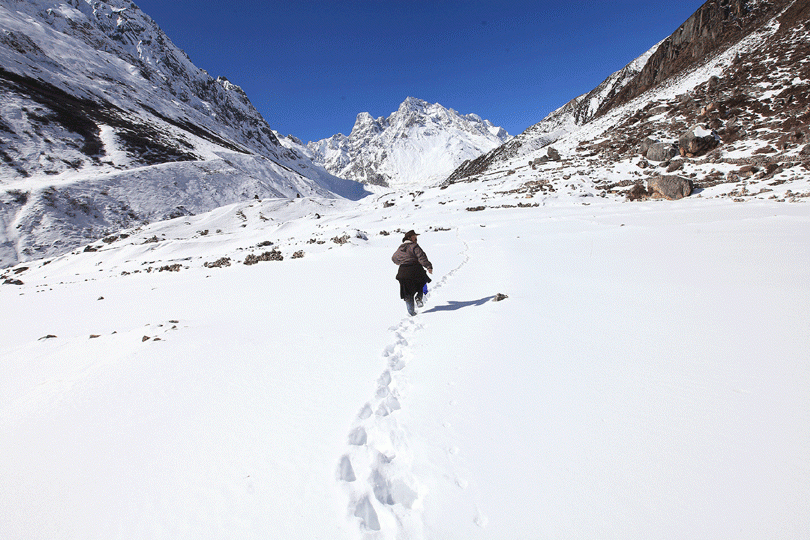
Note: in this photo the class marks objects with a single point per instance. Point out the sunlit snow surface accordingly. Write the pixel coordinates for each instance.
(646, 376)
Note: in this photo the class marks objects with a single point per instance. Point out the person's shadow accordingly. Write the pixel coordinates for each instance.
(452, 305)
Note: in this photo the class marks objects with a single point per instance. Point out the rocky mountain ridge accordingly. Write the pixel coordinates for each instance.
(418, 144)
(136, 73)
(737, 116)
(714, 27)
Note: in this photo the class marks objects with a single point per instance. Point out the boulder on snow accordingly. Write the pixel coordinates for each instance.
(661, 152)
(637, 193)
(645, 145)
(670, 187)
(697, 140)
(551, 155)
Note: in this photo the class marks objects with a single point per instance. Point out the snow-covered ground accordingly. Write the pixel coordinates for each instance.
(646, 376)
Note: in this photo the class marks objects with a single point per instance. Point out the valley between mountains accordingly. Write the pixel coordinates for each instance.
(201, 335)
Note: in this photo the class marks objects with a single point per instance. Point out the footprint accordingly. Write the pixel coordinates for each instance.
(385, 379)
(392, 403)
(368, 516)
(365, 412)
(390, 492)
(382, 410)
(358, 437)
(403, 494)
(346, 470)
(382, 490)
(396, 364)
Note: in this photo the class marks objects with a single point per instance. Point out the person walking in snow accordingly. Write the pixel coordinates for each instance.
(412, 278)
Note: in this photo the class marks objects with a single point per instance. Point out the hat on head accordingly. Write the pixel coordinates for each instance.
(409, 234)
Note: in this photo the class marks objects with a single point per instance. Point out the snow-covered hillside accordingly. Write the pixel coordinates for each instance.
(103, 118)
(582, 109)
(417, 145)
(752, 97)
(207, 377)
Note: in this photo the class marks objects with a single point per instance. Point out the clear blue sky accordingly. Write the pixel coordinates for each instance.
(310, 67)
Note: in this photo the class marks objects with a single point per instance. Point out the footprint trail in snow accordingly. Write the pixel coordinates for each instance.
(385, 497)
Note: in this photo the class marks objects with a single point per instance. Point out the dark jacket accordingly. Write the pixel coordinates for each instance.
(409, 253)
(411, 275)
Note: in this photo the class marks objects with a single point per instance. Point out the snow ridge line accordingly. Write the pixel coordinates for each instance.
(377, 469)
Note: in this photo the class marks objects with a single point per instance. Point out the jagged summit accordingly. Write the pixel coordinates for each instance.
(413, 104)
(418, 144)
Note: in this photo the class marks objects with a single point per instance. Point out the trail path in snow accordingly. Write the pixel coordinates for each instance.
(377, 470)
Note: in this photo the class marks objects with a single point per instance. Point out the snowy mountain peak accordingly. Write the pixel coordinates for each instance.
(366, 124)
(417, 144)
(107, 124)
(412, 104)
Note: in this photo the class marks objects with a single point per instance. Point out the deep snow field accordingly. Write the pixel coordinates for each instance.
(647, 376)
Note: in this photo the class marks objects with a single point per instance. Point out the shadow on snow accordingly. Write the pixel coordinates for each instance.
(453, 305)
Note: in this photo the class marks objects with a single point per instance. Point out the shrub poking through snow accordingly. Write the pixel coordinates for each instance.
(219, 263)
(274, 255)
(637, 192)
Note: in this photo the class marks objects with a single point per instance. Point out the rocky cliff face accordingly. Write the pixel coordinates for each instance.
(714, 27)
(418, 144)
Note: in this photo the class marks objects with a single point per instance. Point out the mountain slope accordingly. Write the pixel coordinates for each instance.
(749, 93)
(713, 28)
(416, 145)
(91, 90)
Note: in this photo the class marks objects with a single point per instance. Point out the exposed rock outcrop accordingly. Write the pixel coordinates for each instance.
(670, 187)
(716, 25)
(697, 141)
(661, 152)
